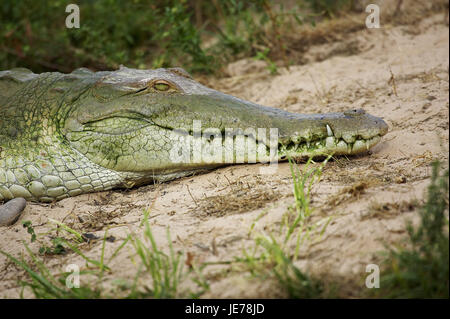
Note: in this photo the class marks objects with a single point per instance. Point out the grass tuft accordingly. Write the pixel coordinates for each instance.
(421, 270)
(166, 271)
(272, 256)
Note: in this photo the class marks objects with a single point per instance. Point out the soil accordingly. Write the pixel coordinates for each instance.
(397, 72)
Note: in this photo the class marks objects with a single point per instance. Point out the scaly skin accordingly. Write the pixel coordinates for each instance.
(63, 135)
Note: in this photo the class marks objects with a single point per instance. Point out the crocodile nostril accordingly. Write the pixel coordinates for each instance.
(355, 112)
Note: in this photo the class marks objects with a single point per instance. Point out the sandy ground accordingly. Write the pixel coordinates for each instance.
(369, 197)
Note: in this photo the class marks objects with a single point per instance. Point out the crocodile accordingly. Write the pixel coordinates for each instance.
(63, 135)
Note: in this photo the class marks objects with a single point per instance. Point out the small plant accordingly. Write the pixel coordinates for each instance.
(30, 229)
(272, 257)
(137, 34)
(302, 186)
(199, 36)
(44, 285)
(329, 8)
(59, 244)
(180, 40)
(166, 270)
(296, 283)
(422, 269)
(271, 66)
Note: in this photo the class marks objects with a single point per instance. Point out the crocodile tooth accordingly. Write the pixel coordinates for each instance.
(330, 142)
(358, 146)
(341, 146)
(349, 138)
(329, 131)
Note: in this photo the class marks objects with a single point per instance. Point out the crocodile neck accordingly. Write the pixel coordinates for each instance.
(38, 164)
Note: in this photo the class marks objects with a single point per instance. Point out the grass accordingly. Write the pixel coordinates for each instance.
(421, 269)
(330, 8)
(160, 274)
(58, 243)
(44, 285)
(272, 256)
(263, 56)
(302, 184)
(418, 269)
(199, 36)
(165, 271)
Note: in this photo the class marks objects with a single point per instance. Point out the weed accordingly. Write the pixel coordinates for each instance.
(30, 229)
(44, 285)
(271, 257)
(140, 34)
(329, 8)
(296, 283)
(58, 244)
(166, 270)
(262, 55)
(302, 186)
(422, 269)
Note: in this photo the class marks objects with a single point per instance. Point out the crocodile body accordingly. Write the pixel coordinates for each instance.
(63, 135)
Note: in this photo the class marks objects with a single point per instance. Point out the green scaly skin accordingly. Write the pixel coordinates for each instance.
(63, 135)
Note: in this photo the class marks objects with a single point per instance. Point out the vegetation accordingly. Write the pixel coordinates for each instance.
(197, 35)
(272, 255)
(166, 271)
(330, 7)
(160, 274)
(421, 269)
(45, 285)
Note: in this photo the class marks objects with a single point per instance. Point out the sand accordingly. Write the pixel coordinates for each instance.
(397, 72)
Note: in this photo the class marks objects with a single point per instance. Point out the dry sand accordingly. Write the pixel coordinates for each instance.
(369, 197)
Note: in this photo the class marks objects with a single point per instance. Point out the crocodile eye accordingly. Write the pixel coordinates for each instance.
(161, 86)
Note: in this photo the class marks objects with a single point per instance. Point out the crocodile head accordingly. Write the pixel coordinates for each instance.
(143, 121)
